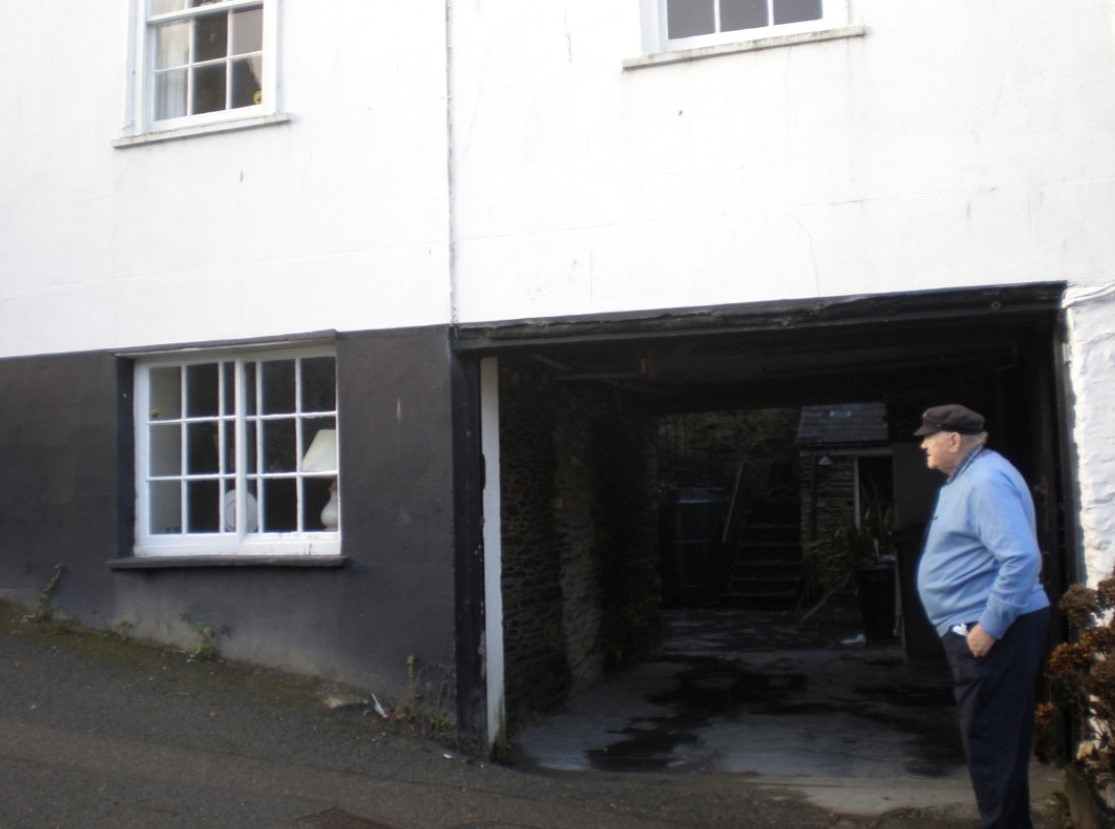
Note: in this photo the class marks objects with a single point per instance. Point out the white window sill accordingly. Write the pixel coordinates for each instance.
(125, 141)
(147, 562)
(682, 55)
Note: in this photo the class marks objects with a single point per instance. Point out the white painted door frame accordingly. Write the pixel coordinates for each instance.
(493, 550)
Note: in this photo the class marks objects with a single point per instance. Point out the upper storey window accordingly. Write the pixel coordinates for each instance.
(200, 63)
(685, 24)
(208, 56)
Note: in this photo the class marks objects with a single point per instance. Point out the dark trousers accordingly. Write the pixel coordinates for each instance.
(995, 699)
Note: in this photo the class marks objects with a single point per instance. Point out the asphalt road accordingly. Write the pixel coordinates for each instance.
(96, 732)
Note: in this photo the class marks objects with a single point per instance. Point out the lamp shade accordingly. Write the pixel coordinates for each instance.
(322, 454)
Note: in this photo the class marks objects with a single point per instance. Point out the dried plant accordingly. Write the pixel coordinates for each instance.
(1082, 679)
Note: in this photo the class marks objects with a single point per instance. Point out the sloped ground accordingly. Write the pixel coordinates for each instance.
(99, 732)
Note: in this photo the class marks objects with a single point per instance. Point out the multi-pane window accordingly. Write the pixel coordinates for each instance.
(222, 454)
(686, 18)
(205, 56)
(684, 23)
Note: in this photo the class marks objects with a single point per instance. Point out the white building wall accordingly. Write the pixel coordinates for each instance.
(953, 144)
(335, 220)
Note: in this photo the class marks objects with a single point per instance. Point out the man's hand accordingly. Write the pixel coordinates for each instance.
(980, 641)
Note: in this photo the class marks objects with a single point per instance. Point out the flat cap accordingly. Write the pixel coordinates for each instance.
(950, 418)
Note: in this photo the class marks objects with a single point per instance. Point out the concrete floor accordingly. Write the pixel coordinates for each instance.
(856, 727)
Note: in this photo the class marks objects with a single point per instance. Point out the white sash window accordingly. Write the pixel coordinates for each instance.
(223, 461)
(199, 63)
(691, 24)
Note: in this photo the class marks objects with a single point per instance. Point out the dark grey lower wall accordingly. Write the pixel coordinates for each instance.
(66, 499)
(60, 501)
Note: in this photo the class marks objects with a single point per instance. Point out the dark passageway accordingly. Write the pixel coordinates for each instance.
(612, 662)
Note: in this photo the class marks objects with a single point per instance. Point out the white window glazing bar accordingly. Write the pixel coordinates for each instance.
(238, 429)
(299, 450)
(183, 453)
(257, 394)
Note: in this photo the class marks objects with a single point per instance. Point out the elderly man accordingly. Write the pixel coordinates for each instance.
(978, 579)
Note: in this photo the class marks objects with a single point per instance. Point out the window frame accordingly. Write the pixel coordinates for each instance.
(140, 120)
(236, 543)
(656, 37)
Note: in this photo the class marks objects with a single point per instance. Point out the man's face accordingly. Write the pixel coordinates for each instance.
(941, 451)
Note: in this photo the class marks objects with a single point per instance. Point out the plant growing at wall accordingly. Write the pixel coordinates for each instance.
(206, 647)
(428, 696)
(44, 608)
(123, 630)
(1082, 684)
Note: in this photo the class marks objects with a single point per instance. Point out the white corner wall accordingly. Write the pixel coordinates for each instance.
(1090, 311)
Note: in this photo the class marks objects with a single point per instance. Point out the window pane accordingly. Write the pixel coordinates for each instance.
(315, 497)
(165, 514)
(246, 88)
(686, 18)
(166, 393)
(319, 384)
(795, 11)
(228, 383)
(319, 456)
(201, 390)
(251, 519)
(166, 449)
(172, 45)
(170, 94)
(202, 448)
(742, 14)
(228, 459)
(280, 505)
(209, 88)
(211, 37)
(250, 450)
(251, 511)
(247, 31)
(164, 6)
(279, 449)
(250, 388)
(205, 506)
(278, 386)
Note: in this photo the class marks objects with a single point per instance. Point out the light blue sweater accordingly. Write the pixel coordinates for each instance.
(981, 560)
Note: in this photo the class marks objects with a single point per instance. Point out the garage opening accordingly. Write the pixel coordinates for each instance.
(659, 467)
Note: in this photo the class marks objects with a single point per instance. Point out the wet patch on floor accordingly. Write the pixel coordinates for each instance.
(746, 694)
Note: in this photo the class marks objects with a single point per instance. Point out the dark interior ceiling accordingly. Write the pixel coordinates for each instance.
(791, 368)
(896, 348)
